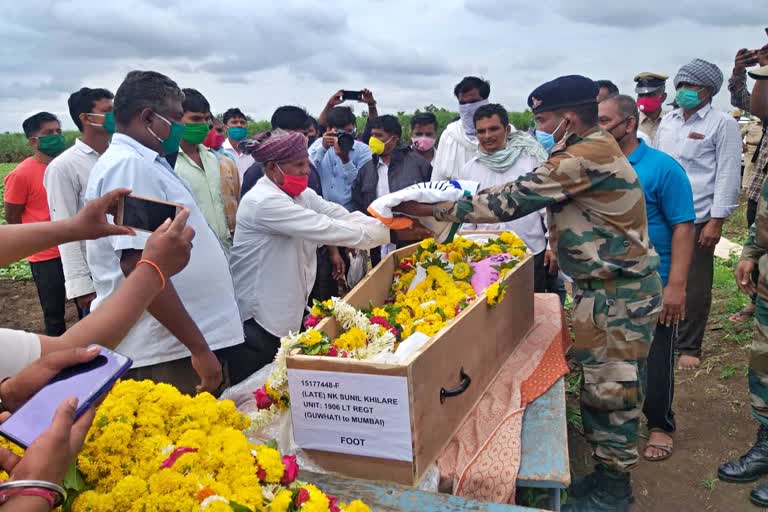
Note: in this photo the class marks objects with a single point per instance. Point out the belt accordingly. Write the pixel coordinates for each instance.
(602, 284)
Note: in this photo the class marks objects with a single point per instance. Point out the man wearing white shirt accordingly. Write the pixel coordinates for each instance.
(237, 131)
(458, 143)
(66, 178)
(196, 312)
(504, 155)
(280, 225)
(707, 143)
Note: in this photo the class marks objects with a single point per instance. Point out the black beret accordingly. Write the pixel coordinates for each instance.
(563, 92)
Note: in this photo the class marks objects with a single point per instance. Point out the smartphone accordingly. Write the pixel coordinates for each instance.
(87, 381)
(351, 95)
(143, 213)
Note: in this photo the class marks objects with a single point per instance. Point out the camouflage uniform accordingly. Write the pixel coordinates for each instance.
(756, 249)
(598, 224)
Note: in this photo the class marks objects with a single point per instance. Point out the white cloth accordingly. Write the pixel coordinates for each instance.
(432, 192)
(454, 150)
(531, 227)
(19, 349)
(274, 255)
(204, 286)
(242, 160)
(65, 181)
(708, 146)
(382, 189)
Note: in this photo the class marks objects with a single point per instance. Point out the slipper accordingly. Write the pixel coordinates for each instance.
(741, 317)
(666, 449)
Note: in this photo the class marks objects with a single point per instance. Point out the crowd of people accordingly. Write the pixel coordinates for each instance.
(615, 193)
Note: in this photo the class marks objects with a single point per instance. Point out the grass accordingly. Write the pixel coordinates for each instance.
(18, 271)
(709, 483)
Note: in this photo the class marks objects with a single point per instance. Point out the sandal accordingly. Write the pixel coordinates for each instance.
(666, 449)
(742, 316)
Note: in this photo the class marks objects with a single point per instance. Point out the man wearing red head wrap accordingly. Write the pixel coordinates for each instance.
(280, 225)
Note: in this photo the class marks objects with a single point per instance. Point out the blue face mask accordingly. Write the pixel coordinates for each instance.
(547, 139)
(237, 133)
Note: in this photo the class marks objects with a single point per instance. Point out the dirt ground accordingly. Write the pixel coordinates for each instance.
(21, 307)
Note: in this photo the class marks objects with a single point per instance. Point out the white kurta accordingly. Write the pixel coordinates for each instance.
(531, 227)
(274, 255)
(454, 150)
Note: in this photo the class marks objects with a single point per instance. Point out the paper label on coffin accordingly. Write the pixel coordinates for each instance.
(358, 414)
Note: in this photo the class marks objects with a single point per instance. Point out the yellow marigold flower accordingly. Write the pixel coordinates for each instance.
(316, 312)
(379, 312)
(504, 273)
(425, 256)
(495, 294)
(327, 304)
(350, 340)
(355, 506)
(92, 501)
(271, 462)
(282, 501)
(462, 271)
(494, 249)
(427, 243)
(508, 238)
(273, 394)
(318, 502)
(311, 338)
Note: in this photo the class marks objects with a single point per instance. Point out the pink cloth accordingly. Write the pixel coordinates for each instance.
(482, 460)
(485, 275)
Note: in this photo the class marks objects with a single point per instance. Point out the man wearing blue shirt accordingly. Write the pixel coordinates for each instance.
(336, 162)
(669, 207)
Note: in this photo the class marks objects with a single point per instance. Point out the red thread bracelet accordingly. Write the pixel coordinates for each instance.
(154, 265)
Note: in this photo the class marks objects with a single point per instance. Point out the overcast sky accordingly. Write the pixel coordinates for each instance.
(260, 54)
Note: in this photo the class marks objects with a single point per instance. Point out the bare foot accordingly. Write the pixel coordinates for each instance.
(659, 446)
(687, 362)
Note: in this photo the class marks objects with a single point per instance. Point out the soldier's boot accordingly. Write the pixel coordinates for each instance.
(759, 495)
(750, 466)
(584, 485)
(611, 492)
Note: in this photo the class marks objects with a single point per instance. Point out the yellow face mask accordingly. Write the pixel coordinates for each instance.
(377, 145)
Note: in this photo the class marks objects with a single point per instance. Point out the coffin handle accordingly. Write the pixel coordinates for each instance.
(462, 387)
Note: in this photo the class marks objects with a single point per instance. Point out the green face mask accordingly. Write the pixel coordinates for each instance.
(195, 133)
(51, 145)
(171, 143)
(109, 122)
(687, 98)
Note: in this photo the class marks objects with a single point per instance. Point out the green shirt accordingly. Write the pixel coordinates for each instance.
(205, 184)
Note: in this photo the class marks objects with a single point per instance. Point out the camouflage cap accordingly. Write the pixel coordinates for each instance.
(563, 92)
(648, 82)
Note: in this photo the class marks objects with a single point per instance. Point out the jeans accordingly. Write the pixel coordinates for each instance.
(49, 279)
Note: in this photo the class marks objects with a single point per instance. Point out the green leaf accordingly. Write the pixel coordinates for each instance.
(73, 480)
(236, 507)
(272, 444)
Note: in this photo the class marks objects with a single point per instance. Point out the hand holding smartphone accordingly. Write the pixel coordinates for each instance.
(88, 382)
(143, 213)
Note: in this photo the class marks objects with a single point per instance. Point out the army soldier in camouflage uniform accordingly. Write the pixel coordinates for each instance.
(754, 463)
(598, 225)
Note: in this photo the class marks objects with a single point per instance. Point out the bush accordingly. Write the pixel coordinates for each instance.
(14, 147)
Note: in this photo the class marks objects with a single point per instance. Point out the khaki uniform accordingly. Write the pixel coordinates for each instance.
(599, 228)
(649, 127)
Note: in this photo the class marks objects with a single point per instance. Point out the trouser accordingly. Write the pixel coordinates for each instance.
(698, 299)
(613, 327)
(751, 216)
(544, 281)
(660, 385)
(758, 357)
(49, 279)
(259, 350)
(178, 373)
(325, 285)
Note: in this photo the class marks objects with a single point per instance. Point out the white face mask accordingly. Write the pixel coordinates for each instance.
(467, 114)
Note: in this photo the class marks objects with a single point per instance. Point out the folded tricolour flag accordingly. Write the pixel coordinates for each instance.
(428, 193)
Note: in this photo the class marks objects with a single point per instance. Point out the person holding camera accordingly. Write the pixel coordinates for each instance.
(338, 157)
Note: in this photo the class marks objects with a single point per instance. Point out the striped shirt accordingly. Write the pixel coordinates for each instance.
(708, 146)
